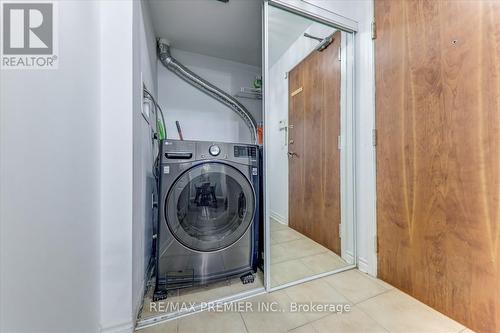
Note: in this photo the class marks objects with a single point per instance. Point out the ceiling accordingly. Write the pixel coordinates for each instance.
(229, 31)
(284, 29)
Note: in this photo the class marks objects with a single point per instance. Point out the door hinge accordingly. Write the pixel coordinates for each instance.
(339, 142)
(375, 245)
(374, 30)
(340, 57)
(374, 137)
(340, 230)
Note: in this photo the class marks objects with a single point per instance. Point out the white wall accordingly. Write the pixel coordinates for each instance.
(145, 63)
(277, 145)
(117, 102)
(362, 12)
(50, 184)
(201, 117)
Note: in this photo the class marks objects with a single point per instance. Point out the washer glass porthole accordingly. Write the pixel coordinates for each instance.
(210, 207)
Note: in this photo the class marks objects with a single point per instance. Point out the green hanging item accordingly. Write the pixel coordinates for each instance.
(161, 130)
(257, 83)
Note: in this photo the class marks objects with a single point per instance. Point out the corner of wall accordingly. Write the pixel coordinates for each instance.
(116, 166)
(144, 72)
(278, 217)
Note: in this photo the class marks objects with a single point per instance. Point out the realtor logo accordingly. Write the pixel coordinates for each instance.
(28, 35)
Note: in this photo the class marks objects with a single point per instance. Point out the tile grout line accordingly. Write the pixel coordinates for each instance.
(288, 241)
(336, 314)
(369, 298)
(312, 255)
(308, 323)
(428, 308)
(360, 309)
(359, 302)
(304, 237)
(355, 305)
(368, 315)
(291, 300)
(394, 289)
(317, 319)
(244, 323)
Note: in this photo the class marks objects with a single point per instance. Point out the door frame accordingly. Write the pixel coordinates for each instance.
(347, 118)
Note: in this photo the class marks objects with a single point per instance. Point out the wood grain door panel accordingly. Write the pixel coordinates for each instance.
(314, 172)
(438, 154)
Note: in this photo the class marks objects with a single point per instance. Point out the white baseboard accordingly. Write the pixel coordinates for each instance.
(279, 218)
(126, 327)
(348, 257)
(363, 265)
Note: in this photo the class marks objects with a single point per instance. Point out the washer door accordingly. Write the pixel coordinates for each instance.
(210, 206)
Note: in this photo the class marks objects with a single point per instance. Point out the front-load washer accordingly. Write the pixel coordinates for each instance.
(209, 212)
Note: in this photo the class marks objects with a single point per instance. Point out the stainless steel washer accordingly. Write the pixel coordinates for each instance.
(208, 214)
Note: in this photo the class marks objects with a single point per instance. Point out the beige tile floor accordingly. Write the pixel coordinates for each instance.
(294, 256)
(374, 307)
(198, 294)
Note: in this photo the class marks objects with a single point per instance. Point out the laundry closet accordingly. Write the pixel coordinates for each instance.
(203, 105)
(249, 107)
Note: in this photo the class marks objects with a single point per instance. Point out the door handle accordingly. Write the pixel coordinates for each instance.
(179, 155)
(292, 154)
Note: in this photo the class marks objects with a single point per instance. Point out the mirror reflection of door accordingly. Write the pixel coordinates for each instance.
(307, 95)
(314, 157)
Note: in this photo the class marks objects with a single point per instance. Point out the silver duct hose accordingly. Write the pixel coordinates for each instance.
(190, 77)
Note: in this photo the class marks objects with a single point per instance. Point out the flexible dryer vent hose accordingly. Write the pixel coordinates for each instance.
(196, 81)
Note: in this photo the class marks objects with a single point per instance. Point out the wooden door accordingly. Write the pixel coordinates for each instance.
(314, 167)
(438, 154)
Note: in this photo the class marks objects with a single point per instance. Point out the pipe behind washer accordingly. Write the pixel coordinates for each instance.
(208, 88)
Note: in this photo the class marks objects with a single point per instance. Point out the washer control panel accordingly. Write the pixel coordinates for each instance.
(245, 151)
(185, 152)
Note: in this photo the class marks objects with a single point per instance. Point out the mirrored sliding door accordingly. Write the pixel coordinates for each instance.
(308, 146)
